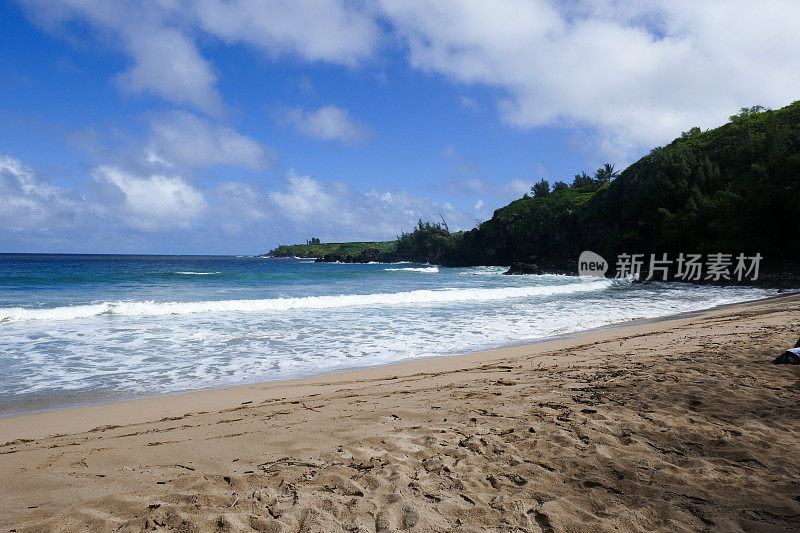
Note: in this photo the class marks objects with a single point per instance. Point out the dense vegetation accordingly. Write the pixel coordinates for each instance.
(428, 242)
(317, 249)
(732, 189)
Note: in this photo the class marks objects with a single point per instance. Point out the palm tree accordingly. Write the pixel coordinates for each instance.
(606, 173)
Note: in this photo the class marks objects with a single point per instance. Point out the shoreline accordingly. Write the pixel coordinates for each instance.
(677, 424)
(214, 395)
(101, 400)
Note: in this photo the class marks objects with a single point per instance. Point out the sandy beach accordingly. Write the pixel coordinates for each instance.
(677, 425)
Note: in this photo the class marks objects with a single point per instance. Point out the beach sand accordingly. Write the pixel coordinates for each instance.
(677, 425)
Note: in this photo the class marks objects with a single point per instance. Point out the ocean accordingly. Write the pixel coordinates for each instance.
(85, 329)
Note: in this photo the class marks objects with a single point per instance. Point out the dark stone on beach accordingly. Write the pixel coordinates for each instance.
(523, 268)
(789, 357)
(797, 345)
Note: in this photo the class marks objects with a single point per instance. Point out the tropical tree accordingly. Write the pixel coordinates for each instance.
(541, 189)
(560, 186)
(583, 180)
(606, 173)
(747, 112)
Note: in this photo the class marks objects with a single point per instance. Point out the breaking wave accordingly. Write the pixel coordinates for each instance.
(431, 270)
(151, 308)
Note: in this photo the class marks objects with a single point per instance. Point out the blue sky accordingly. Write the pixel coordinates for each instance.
(214, 126)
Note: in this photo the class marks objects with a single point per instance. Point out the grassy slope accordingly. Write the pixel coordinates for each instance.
(318, 250)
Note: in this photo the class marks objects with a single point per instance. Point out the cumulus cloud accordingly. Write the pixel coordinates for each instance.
(329, 123)
(167, 63)
(634, 74)
(127, 209)
(304, 198)
(335, 31)
(185, 139)
(160, 38)
(149, 203)
(164, 57)
(625, 75)
(30, 202)
(334, 210)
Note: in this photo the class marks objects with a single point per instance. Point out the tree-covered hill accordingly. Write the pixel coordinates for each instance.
(318, 249)
(732, 189)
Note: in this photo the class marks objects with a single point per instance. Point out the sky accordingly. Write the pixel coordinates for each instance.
(231, 126)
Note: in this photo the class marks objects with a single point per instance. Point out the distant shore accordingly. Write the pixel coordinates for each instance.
(679, 424)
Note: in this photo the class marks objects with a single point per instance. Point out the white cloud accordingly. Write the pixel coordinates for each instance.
(333, 211)
(160, 37)
(133, 211)
(481, 212)
(336, 31)
(29, 202)
(167, 63)
(164, 55)
(625, 75)
(188, 140)
(330, 123)
(304, 199)
(518, 187)
(336, 211)
(150, 203)
(239, 209)
(633, 73)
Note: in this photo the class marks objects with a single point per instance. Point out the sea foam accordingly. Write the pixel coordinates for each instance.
(417, 297)
(429, 270)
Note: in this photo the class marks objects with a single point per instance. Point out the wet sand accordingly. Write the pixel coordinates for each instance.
(677, 425)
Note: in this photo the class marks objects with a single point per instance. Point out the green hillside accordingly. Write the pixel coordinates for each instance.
(733, 189)
(322, 249)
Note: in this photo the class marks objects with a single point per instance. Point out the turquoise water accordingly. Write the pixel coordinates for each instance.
(83, 329)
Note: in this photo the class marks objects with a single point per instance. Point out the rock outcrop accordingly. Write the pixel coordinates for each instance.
(523, 268)
(365, 256)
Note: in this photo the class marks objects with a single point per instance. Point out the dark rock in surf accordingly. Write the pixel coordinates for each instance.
(523, 268)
